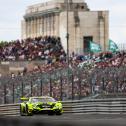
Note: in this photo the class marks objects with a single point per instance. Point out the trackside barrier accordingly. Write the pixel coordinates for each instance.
(89, 106)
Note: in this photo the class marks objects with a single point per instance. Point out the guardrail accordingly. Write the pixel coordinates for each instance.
(88, 106)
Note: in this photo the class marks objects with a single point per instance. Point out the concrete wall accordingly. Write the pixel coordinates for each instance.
(90, 25)
(54, 22)
(15, 67)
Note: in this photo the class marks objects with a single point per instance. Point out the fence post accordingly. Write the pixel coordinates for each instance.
(41, 90)
(50, 86)
(117, 83)
(72, 86)
(31, 88)
(13, 93)
(103, 83)
(5, 100)
(93, 83)
(22, 89)
(79, 85)
(61, 84)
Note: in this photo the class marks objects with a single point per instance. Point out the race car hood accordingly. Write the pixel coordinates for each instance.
(44, 104)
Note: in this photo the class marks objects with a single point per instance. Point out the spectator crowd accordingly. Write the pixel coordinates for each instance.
(97, 73)
(40, 48)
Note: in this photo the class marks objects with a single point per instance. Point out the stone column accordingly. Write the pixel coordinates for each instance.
(106, 30)
(42, 28)
(102, 33)
(35, 27)
(53, 24)
(101, 30)
(32, 27)
(28, 27)
(56, 24)
(78, 41)
(49, 24)
(23, 29)
(38, 26)
(45, 25)
(26, 30)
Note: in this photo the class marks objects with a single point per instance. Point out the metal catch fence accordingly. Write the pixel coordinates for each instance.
(64, 84)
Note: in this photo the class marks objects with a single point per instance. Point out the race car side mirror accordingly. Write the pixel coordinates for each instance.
(24, 99)
(59, 101)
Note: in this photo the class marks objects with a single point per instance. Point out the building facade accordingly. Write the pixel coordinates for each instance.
(50, 18)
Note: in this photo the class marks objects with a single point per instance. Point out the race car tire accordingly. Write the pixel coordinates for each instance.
(27, 112)
(58, 113)
(51, 113)
(21, 111)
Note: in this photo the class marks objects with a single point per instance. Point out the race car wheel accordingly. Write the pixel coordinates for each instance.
(21, 111)
(50, 113)
(27, 112)
(58, 113)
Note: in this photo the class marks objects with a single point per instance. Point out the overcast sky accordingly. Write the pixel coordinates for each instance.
(12, 11)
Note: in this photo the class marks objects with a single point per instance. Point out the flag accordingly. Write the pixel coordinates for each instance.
(113, 46)
(94, 47)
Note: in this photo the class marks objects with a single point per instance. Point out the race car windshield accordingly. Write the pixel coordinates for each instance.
(34, 100)
(50, 100)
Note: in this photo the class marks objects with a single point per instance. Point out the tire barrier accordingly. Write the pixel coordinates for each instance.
(87, 106)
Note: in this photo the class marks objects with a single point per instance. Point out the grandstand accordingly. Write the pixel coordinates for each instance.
(47, 49)
(37, 65)
(87, 75)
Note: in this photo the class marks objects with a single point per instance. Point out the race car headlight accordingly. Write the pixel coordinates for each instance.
(53, 105)
(34, 105)
(38, 106)
(58, 106)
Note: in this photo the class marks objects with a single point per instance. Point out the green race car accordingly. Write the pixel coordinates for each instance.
(40, 105)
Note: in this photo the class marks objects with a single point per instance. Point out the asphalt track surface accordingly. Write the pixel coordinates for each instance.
(74, 120)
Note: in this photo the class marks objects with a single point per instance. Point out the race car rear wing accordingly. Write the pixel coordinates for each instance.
(24, 99)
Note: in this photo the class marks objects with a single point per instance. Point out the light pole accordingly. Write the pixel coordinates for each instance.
(67, 35)
(67, 38)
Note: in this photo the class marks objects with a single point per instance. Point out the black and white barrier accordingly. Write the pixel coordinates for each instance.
(88, 106)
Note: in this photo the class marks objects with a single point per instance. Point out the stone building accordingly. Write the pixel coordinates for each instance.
(50, 18)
